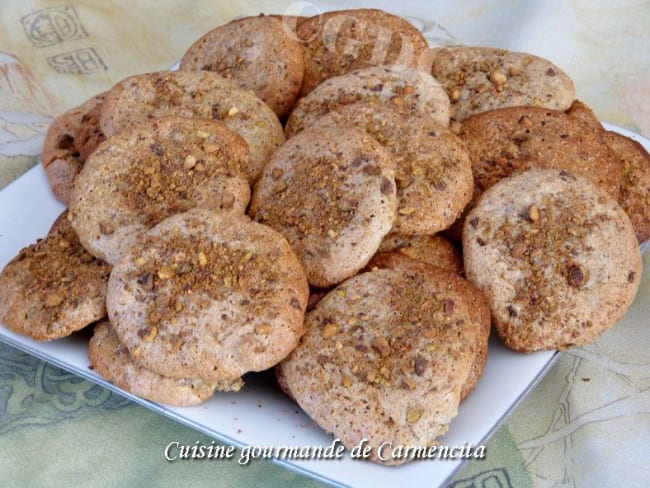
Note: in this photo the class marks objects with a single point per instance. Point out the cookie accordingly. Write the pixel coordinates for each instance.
(208, 295)
(477, 305)
(433, 171)
(111, 359)
(384, 358)
(635, 181)
(138, 177)
(556, 257)
(54, 287)
(478, 79)
(257, 53)
(434, 250)
(341, 41)
(195, 94)
(331, 193)
(504, 141)
(68, 142)
(406, 89)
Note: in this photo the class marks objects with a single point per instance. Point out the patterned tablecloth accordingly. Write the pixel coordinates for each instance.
(586, 424)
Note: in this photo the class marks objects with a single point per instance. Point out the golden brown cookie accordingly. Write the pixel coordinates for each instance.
(258, 53)
(406, 89)
(53, 287)
(433, 171)
(384, 358)
(69, 141)
(635, 181)
(111, 359)
(478, 79)
(331, 193)
(164, 166)
(555, 255)
(208, 295)
(344, 40)
(504, 141)
(195, 94)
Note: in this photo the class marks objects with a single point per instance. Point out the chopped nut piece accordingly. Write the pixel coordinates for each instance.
(406, 210)
(210, 147)
(165, 273)
(410, 383)
(141, 261)
(420, 365)
(264, 329)
(498, 78)
(414, 414)
(151, 334)
(106, 228)
(330, 330)
(203, 259)
(449, 306)
(577, 276)
(53, 299)
(190, 162)
(203, 134)
(384, 372)
(347, 381)
(233, 111)
(381, 344)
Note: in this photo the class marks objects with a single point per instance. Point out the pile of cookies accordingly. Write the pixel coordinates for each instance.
(332, 197)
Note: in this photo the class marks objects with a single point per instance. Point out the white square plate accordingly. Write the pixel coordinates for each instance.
(260, 414)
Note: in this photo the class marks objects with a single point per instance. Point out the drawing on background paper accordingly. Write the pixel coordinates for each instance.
(54, 25)
(80, 62)
(25, 109)
(628, 386)
(37, 393)
(492, 478)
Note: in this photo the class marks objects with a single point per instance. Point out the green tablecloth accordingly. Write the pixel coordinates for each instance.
(586, 424)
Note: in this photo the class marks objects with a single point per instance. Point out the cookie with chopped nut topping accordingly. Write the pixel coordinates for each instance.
(258, 53)
(433, 171)
(635, 181)
(384, 358)
(331, 193)
(406, 89)
(164, 166)
(555, 255)
(507, 140)
(53, 287)
(478, 79)
(69, 141)
(344, 40)
(111, 359)
(208, 295)
(195, 94)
